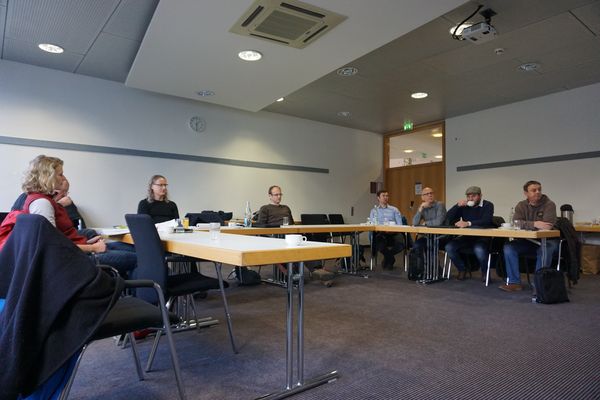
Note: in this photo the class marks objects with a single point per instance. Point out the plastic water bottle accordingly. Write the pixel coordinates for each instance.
(511, 216)
(79, 224)
(375, 216)
(247, 216)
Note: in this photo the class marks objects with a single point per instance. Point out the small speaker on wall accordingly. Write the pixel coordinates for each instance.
(375, 186)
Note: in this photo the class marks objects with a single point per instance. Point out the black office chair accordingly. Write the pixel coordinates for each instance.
(316, 219)
(152, 265)
(58, 302)
(2, 216)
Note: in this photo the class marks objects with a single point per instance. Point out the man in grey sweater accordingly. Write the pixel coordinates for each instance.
(430, 213)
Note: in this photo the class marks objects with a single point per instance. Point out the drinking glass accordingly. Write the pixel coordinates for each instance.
(285, 221)
(214, 230)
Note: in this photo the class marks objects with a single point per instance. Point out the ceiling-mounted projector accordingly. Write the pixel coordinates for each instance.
(479, 33)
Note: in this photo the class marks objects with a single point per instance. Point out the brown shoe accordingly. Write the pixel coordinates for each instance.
(461, 276)
(511, 287)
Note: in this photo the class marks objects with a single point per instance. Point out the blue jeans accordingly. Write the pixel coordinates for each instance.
(523, 247)
(120, 256)
(480, 248)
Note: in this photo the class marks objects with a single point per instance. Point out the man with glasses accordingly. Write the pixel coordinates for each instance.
(430, 213)
(470, 212)
(272, 214)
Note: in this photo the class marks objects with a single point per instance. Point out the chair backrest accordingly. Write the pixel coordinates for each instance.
(315, 219)
(336, 219)
(150, 254)
(2, 216)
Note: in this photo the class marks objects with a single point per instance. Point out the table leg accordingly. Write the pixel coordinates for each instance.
(225, 306)
(301, 384)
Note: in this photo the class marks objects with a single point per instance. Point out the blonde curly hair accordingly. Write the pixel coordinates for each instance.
(150, 196)
(41, 176)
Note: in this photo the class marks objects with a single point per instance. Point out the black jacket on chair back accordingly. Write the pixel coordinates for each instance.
(55, 300)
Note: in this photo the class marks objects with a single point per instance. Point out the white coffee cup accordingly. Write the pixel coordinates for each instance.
(294, 240)
(470, 203)
(506, 225)
(232, 224)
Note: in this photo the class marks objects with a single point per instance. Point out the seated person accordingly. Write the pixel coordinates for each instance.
(430, 213)
(388, 244)
(157, 203)
(62, 197)
(475, 212)
(272, 214)
(44, 182)
(537, 211)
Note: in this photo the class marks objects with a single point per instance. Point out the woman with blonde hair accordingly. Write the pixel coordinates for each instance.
(42, 182)
(157, 203)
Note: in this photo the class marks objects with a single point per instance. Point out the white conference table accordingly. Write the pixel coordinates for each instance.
(243, 250)
(354, 230)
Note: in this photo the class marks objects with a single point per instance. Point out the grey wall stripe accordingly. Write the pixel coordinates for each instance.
(155, 154)
(527, 161)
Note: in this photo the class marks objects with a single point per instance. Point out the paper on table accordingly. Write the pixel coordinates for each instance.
(166, 226)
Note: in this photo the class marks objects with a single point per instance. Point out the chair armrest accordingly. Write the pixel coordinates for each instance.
(109, 270)
(138, 283)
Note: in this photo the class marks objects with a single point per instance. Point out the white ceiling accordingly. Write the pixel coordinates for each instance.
(196, 35)
(179, 47)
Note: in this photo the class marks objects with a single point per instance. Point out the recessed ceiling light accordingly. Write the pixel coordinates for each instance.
(437, 134)
(347, 71)
(280, 99)
(205, 93)
(459, 30)
(408, 151)
(51, 48)
(344, 114)
(250, 55)
(419, 95)
(529, 67)
(439, 156)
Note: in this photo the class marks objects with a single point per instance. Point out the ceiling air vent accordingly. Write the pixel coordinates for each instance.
(291, 23)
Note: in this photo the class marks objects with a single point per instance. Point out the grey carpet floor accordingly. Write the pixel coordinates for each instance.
(388, 337)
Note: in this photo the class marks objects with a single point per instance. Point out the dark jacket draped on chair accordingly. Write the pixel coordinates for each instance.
(55, 300)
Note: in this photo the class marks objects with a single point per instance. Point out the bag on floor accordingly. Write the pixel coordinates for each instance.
(415, 266)
(550, 286)
(247, 277)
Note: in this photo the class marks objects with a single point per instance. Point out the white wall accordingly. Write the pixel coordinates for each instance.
(562, 123)
(43, 104)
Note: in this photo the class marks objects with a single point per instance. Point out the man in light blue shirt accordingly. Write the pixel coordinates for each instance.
(388, 244)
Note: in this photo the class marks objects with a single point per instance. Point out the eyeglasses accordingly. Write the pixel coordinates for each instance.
(427, 194)
(276, 194)
(163, 185)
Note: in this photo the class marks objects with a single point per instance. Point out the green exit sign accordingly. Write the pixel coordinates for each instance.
(408, 125)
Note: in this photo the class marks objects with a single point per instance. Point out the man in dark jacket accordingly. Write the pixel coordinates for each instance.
(536, 212)
(470, 212)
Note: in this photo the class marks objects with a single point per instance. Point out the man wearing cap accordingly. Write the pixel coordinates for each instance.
(537, 211)
(470, 212)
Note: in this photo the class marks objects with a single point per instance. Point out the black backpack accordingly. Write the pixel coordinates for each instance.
(550, 286)
(415, 266)
(247, 277)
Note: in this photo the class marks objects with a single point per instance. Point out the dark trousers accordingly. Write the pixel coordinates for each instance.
(389, 244)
